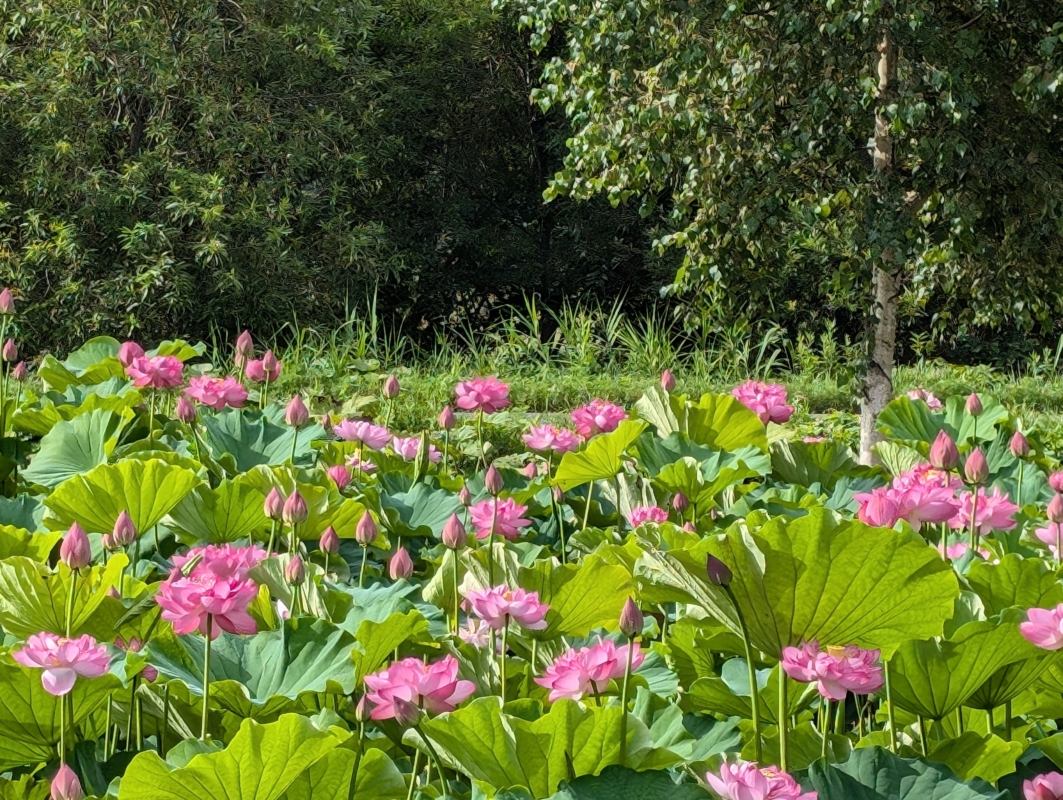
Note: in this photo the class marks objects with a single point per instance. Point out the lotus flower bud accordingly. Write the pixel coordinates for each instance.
(186, 410)
(718, 572)
(680, 503)
(10, 351)
(296, 414)
(270, 365)
(19, 372)
(326, 423)
(75, 551)
(974, 404)
(689, 527)
(454, 535)
(65, 784)
(447, 419)
(365, 533)
(667, 381)
(400, 566)
(295, 510)
(391, 388)
(406, 713)
(340, 475)
(976, 469)
(1020, 445)
(7, 302)
(330, 541)
(1055, 509)
(1055, 480)
(943, 453)
(362, 710)
(108, 543)
(129, 352)
(493, 481)
(295, 572)
(274, 505)
(125, 533)
(245, 347)
(631, 619)
(559, 495)
(530, 471)
(465, 496)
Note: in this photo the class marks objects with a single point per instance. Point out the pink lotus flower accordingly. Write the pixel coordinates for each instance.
(995, 512)
(129, 352)
(434, 687)
(218, 587)
(65, 785)
(497, 605)
(574, 673)
(835, 670)
(360, 465)
(548, 437)
(1044, 627)
(477, 633)
(1052, 536)
(134, 645)
(375, 437)
(482, 394)
(63, 660)
(407, 448)
(922, 394)
(1048, 786)
(640, 515)
(598, 416)
(263, 370)
(747, 781)
(225, 561)
(509, 519)
(959, 550)
(917, 497)
(217, 393)
(340, 475)
(158, 372)
(814, 439)
(766, 400)
(878, 507)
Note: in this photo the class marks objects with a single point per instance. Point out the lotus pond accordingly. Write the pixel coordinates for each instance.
(207, 591)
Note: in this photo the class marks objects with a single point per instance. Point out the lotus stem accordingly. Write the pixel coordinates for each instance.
(587, 510)
(413, 774)
(165, 719)
(889, 707)
(824, 724)
(71, 600)
(107, 732)
(132, 713)
(446, 449)
(435, 757)
(457, 594)
(784, 713)
(491, 544)
(752, 672)
(151, 413)
(839, 718)
(1007, 721)
(922, 736)
(1018, 489)
(480, 437)
(361, 572)
(272, 537)
(62, 730)
(295, 443)
(959, 720)
(206, 678)
(357, 761)
(502, 657)
(974, 518)
(263, 397)
(623, 700)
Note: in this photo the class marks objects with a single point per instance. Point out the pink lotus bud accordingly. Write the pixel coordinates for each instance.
(365, 533)
(295, 510)
(465, 496)
(718, 572)
(326, 423)
(1055, 480)
(943, 453)
(125, 533)
(108, 543)
(7, 302)
(19, 372)
(391, 388)
(296, 414)
(245, 345)
(680, 503)
(330, 541)
(559, 495)
(274, 505)
(974, 404)
(65, 784)
(129, 352)
(362, 710)
(1055, 509)
(75, 550)
(400, 566)
(1020, 445)
(454, 535)
(493, 481)
(976, 469)
(447, 419)
(340, 475)
(667, 381)
(406, 713)
(631, 619)
(531, 470)
(186, 410)
(10, 351)
(689, 527)
(270, 365)
(295, 572)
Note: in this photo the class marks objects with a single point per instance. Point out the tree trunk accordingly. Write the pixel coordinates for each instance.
(885, 278)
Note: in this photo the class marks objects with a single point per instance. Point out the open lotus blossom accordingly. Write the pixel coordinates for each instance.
(482, 394)
(835, 670)
(598, 416)
(995, 512)
(129, 352)
(225, 560)
(575, 673)
(1044, 627)
(218, 587)
(640, 515)
(549, 437)
(433, 687)
(766, 400)
(407, 448)
(1052, 536)
(927, 397)
(499, 604)
(63, 660)
(476, 632)
(375, 437)
(959, 550)
(921, 495)
(360, 464)
(509, 520)
(1048, 786)
(134, 645)
(746, 781)
(216, 393)
(263, 370)
(156, 372)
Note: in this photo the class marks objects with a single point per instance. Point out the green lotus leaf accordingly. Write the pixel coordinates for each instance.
(601, 459)
(702, 481)
(377, 641)
(244, 440)
(1015, 581)
(93, 362)
(54, 407)
(581, 597)
(231, 511)
(1012, 680)
(75, 447)
(421, 511)
(330, 778)
(25, 511)
(823, 463)
(621, 783)
(725, 695)
(718, 421)
(971, 755)
(179, 349)
(20, 542)
(325, 505)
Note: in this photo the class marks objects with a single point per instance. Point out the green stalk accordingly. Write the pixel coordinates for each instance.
(623, 700)
(839, 718)
(413, 774)
(480, 437)
(107, 733)
(491, 544)
(889, 707)
(265, 393)
(446, 449)
(922, 736)
(151, 413)
(295, 442)
(435, 757)
(272, 537)
(502, 657)
(457, 595)
(165, 719)
(155, 531)
(752, 671)
(974, 518)
(357, 761)
(587, 510)
(959, 720)
(62, 730)
(824, 724)
(361, 572)
(206, 679)
(129, 719)
(1018, 490)
(1007, 721)
(784, 713)
(70, 602)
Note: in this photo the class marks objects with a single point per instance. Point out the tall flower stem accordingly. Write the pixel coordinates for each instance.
(491, 544)
(132, 713)
(151, 413)
(457, 594)
(587, 510)
(824, 723)
(413, 774)
(357, 761)
(889, 707)
(784, 715)
(480, 436)
(295, 443)
(272, 537)
(264, 395)
(62, 730)
(1007, 721)
(974, 518)
(752, 672)
(71, 599)
(361, 572)
(206, 678)
(502, 657)
(623, 700)
(922, 736)
(1018, 489)
(446, 449)
(165, 719)
(107, 732)
(435, 757)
